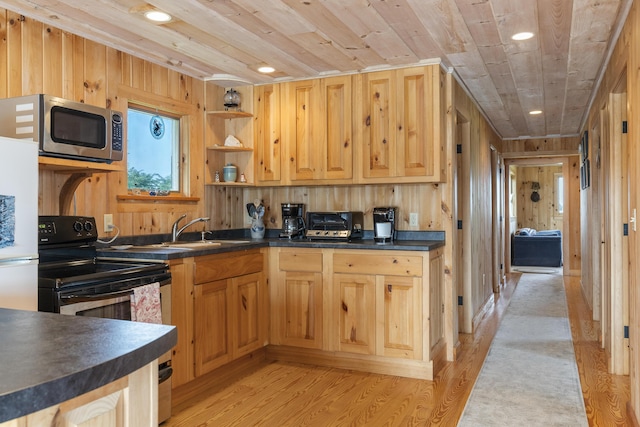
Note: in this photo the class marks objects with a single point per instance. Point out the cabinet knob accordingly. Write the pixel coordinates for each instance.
(389, 286)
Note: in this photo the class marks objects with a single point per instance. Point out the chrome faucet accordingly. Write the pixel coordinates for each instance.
(175, 232)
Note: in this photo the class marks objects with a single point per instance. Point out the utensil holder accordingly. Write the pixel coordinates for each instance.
(257, 228)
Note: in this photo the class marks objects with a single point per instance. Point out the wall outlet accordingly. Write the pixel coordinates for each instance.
(108, 223)
(413, 219)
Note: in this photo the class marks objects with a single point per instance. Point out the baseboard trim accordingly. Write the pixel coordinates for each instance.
(364, 363)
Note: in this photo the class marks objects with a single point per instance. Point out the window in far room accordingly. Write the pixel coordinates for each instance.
(559, 192)
(153, 151)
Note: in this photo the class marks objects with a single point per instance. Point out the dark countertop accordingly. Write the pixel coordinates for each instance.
(160, 253)
(49, 358)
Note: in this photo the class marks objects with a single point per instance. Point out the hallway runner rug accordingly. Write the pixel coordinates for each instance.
(530, 377)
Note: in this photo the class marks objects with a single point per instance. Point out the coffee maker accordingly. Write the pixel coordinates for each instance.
(292, 220)
(384, 224)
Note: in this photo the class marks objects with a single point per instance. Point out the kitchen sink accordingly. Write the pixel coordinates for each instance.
(198, 244)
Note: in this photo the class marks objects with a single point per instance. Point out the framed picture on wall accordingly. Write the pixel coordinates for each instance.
(587, 173)
(584, 145)
(582, 177)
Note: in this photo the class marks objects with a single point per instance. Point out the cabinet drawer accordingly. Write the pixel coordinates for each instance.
(300, 261)
(223, 266)
(388, 263)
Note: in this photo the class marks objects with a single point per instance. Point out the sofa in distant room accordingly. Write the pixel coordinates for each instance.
(542, 248)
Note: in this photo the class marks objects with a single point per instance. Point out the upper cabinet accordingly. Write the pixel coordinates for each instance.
(379, 127)
(318, 130)
(400, 123)
(267, 138)
(219, 125)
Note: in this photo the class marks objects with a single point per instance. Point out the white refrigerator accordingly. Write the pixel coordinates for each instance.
(18, 224)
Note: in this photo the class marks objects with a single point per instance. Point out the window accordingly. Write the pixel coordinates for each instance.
(153, 151)
(559, 190)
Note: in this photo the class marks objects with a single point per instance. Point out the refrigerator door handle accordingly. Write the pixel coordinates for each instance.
(10, 262)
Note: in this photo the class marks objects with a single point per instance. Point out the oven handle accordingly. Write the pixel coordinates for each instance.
(97, 296)
(107, 295)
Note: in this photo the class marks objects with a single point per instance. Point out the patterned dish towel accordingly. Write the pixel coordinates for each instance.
(145, 304)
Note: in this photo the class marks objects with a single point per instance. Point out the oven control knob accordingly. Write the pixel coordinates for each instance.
(88, 226)
(77, 226)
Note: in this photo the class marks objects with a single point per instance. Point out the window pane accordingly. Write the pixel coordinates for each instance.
(153, 147)
(560, 193)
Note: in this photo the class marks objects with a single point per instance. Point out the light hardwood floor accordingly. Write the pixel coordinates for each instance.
(284, 394)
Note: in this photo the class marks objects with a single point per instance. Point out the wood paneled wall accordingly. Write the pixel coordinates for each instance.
(227, 205)
(609, 202)
(37, 58)
(543, 214)
(539, 147)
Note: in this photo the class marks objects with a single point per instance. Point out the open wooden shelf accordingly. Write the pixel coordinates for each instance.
(229, 114)
(76, 166)
(229, 149)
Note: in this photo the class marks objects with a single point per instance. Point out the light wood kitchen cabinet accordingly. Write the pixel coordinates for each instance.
(297, 297)
(212, 308)
(356, 301)
(182, 319)
(129, 401)
(247, 310)
(318, 118)
(230, 315)
(267, 139)
(374, 311)
(400, 125)
(380, 301)
(436, 309)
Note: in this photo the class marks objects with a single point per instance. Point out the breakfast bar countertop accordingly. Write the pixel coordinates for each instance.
(48, 358)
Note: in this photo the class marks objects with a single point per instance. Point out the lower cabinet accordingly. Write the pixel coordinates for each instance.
(221, 310)
(297, 297)
(371, 310)
(379, 298)
(230, 318)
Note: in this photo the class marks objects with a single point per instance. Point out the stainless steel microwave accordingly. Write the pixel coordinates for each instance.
(64, 128)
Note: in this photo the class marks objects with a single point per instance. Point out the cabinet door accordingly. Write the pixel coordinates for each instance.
(303, 114)
(212, 313)
(301, 295)
(248, 314)
(436, 299)
(337, 147)
(418, 122)
(356, 300)
(399, 317)
(182, 319)
(378, 125)
(267, 139)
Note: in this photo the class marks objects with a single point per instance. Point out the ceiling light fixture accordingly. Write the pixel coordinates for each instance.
(157, 16)
(535, 112)
(522, 36)
(266, 69)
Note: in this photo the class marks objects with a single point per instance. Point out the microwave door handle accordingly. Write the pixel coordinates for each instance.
(97, 296)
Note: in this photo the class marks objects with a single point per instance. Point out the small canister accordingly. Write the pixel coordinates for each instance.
(230, 173)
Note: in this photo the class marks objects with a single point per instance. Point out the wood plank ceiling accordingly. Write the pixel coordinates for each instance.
(555, 71)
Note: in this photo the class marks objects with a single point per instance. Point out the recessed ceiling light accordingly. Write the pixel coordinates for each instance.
(522, 36)
(266, 69)
(535, 112)
(157, 16)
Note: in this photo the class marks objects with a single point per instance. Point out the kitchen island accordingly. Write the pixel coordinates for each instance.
(48, 360)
